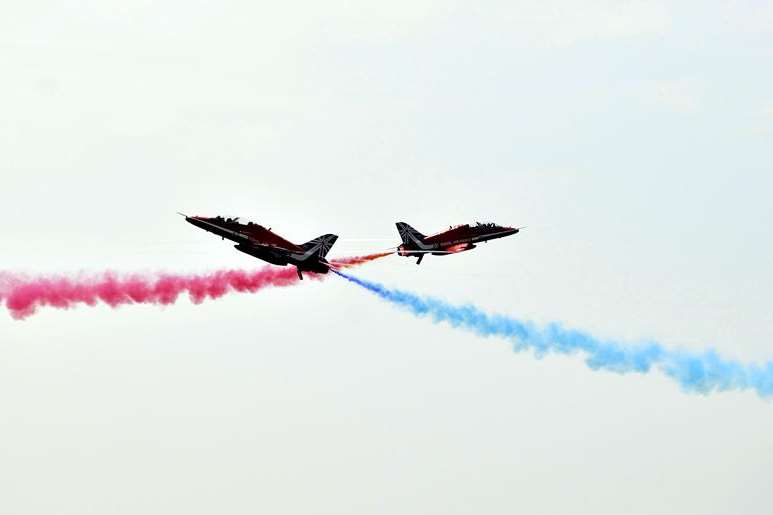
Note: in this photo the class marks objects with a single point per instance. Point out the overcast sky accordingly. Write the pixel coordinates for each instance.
(632, 138)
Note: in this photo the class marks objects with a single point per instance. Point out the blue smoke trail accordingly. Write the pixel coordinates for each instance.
(695, 372)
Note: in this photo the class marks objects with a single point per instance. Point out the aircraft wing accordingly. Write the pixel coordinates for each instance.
(263, 246)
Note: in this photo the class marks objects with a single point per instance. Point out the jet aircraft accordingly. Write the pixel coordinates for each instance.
(450, 241)
(262, 243)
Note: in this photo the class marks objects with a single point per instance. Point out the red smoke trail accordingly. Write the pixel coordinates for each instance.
(23, 294)
(357, 260)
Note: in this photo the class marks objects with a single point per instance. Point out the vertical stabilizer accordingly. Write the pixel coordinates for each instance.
(409, 235)
(319, 247)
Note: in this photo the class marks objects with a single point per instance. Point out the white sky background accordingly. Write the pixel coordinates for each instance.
(632, 138)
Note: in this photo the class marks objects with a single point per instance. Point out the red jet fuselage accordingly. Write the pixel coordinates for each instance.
(451, 241)
(257, 241)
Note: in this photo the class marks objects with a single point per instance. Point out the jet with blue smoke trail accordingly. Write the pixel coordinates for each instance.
(695, 372)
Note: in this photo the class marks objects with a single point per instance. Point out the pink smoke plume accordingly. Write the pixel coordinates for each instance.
(23, 294)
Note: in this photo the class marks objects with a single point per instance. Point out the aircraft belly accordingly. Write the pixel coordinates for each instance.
(273, 257)
(311, 266)
(274, 260)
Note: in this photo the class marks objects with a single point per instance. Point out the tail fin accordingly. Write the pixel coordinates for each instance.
(319, 246)
(408, 234)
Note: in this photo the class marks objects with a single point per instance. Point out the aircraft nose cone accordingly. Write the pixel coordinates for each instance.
(194, 221)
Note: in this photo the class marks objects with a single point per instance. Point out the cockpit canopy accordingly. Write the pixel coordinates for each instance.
(226, 219)
(236, 220)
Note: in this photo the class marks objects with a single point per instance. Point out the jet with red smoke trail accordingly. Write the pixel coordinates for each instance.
(450, 241)
(23, 294)
(262, 243)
